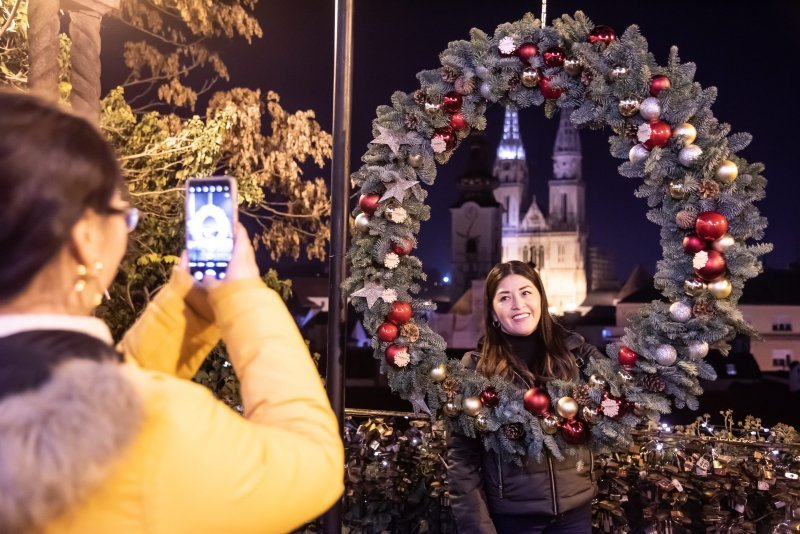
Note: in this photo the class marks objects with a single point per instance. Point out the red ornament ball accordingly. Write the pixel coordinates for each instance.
(369, 203)
(527, 51)
(711, 225)
(448, 135)
(489, 397)
(660, 133)
(602, 34)
(547, 89)
(692, 244)
(574, 432)
(403, 248)
(554, 57)
(537, 401)
(387, 332)
(714, 268)
(452, 102)
(627, 357)
(458, 121)
(397, 355)
(658, 84)
(400, 314)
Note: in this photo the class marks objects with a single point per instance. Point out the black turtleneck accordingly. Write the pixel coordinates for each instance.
(524, 347)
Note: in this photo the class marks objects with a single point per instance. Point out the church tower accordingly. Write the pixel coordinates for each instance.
(511, 168)
(567, 190)
(475, 219)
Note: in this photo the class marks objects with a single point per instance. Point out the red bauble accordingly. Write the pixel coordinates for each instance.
(658, 84)
(547, 89)
(627, 357)
(574, 432)
(392, 353)
(403, 248)
(660, 133)
(527, 51)
(693, 244)
(387, 332)
(369, 203)
(554, 57)
(537, 401)
(401, 312)
(602, 34)
(457, 121)
(714, 268)
(711, 225)
(448, 135)
(452, 102)
(489, 397)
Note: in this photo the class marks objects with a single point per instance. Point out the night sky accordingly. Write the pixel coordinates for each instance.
(746, 49)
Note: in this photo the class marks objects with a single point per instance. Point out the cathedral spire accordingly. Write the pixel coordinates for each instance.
(510, 147)
(567, 154)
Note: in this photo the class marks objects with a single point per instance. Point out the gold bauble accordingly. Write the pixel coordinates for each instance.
(481, 422)
(415, 160)
(450, 409)
(572, 66)
(677, 190)
(530, 77)
(694, 288)
(625, 377)
(596, 381)
(549, 424)
(727, 172)
(472, 406)
(439, 373)
(721, 289)
(628, 107)
(619, 72)
(591, 414)
(723, 243)
(362, 222)
(567, 407)
(686, 133)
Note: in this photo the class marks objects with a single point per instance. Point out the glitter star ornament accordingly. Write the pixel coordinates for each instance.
(394, 139)
(398, 188)
(372, 292)
(418, 403)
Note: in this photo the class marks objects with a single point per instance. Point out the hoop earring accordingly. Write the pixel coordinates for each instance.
(84, 279)
(496, 324)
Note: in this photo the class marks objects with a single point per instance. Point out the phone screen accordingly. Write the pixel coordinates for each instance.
(210, 222)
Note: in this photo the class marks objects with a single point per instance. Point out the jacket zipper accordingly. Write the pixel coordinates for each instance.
(500, 475)
(591, 465)
(553, 485)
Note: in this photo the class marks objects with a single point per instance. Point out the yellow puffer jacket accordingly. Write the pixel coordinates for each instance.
(195, 466)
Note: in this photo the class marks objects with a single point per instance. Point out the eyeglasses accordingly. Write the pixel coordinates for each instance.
(130, 213)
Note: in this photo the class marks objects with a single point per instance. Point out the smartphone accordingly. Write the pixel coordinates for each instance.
(211, 215)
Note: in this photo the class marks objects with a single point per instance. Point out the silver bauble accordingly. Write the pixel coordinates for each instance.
(550, 424)
(677, 190)
(723, 243)
(697, 349)
(530, 77)
(486, 90)
(628, 107)
(638, 153)
(481, 422)
(482, 72)
(689, 155)
(680, 311)
(432, 108)
(727, 172)
(573, 66)
(439, 373)
(650, 109)
(619, 72)
(596, 381)
(666, 355)
(625, 377)
(472, 406)
(694, 288)
(450, 409)
(362, 222)
(591, 414)
(685, 133)
(415, 160)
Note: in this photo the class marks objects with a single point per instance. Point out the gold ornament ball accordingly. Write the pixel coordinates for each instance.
(677, 190)
(481, 422)
(472, 406)
(572, 66)
(686, 133)
(727, 172)
(567, 407)
(597, 382)
(432, 108)
(549, 424)
(723, 243)
(625, 377)
(361, 222)
(694, 288)
(439, 373)
(619, 72)
(721, 289)
(591, 414)
(450, 409)
(530, 77)
(628, 107)
(415, 160)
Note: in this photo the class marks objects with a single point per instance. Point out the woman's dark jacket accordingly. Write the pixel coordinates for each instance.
(481, 483)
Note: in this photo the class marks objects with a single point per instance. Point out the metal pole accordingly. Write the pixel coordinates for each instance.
(340, 194)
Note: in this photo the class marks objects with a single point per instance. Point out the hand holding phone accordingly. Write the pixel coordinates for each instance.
(211, 222)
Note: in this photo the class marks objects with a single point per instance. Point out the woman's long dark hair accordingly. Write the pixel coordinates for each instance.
(553, 359)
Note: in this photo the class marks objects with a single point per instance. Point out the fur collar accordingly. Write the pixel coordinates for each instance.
(59, 442)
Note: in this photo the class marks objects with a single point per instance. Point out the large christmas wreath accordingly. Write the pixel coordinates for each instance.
(699, 192)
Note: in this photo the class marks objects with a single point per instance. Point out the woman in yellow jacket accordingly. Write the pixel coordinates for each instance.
(98, 440)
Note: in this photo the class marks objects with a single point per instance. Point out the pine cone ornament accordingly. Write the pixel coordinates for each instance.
(410, 121)
(410, 331)
(586, 77)
(685, 219)
(420, 97)
(703, 309)
(513, 430)
(709, 189)
(465, 86)
(449, 74)
(654, 383)
(581, 395)
(513, 81)
(451, 387)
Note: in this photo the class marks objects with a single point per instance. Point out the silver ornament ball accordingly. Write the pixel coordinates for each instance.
(628, 107)
(362, 222)
(625, 377)
(530, 77)
(439, 373)
(698, 349)
(666, 355)
(482, 72)
(573, 66)
(450, 409)
(472, 406)
(486, 90)
(638, 153)
(619, 72)
(432, 108)
(481, 422)
(689, 155)
(680, 311)
(550, 424)
(596, 381)
(591, 414)
(694, 288)
(650, 109)
(677, 190)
